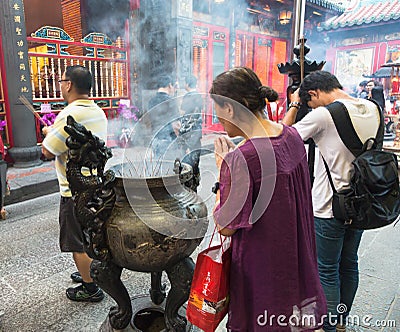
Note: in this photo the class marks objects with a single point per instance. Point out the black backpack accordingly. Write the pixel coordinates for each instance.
(373, 199)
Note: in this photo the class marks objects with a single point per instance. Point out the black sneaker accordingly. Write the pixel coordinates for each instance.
(76, 277)
(81, 294)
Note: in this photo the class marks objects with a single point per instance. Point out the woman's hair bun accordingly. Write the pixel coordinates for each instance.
(267, 92)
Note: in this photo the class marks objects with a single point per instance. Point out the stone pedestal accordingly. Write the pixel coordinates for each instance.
(26, 156)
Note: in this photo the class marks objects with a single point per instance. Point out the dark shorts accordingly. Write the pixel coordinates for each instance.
(71, 236)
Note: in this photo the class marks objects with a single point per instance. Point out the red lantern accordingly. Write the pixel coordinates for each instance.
(395, 85)
(135, 4)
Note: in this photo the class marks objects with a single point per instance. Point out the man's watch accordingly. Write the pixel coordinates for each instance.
(295, 104)
(215, 187)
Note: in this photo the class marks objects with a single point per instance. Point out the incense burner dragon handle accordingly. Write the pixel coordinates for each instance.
(94, 197)
(91, 187)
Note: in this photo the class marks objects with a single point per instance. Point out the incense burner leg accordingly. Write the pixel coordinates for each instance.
(108, 276)
(157, 290)
(180, 277)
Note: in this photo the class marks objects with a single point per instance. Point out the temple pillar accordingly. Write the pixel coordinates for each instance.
(165, 40)
(24, 149)
(183, 22)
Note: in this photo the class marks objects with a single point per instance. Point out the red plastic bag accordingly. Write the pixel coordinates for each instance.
(209, 293)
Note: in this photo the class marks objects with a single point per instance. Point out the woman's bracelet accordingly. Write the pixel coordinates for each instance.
(294, 104)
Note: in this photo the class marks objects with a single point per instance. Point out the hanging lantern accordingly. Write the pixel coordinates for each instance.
(395, 85)
(394, 77)
(285, 16)
(395, 80)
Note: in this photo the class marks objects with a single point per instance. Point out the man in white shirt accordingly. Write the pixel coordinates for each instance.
(337, 244)
(76, 83)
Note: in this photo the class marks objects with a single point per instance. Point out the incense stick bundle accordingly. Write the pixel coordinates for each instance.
(29, 106)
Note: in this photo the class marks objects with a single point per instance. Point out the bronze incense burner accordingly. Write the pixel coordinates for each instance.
(146, 224)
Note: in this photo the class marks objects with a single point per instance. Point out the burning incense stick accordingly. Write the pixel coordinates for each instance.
(158, 166)
(28, 105)
(142, 168)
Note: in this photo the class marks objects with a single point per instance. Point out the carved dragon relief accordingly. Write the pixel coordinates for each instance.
(93, 193)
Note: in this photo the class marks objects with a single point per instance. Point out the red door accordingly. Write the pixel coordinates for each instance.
(210, 58)
(262, 54)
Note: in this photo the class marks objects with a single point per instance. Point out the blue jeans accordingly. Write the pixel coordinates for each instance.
(337, 247)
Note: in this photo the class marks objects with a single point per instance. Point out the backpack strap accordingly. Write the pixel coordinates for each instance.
(341, 119)
(311, 159)
(348, 135)
(340, 199)
(346, 131)
(381, 129)
(329, 174)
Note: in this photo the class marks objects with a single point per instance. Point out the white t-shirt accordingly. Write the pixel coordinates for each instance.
(87, 113)
(318, 125)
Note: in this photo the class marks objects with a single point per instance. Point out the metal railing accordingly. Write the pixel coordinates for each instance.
(51, 50)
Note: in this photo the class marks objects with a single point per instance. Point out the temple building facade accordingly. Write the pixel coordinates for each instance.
(127, 44)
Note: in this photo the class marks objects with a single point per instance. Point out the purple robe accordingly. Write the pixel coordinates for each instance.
(266, 196)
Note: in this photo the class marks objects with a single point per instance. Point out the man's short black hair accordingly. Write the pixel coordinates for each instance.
(318, 80)
(80, 77)
(375, 82)
(164, 81)
(191, 81)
